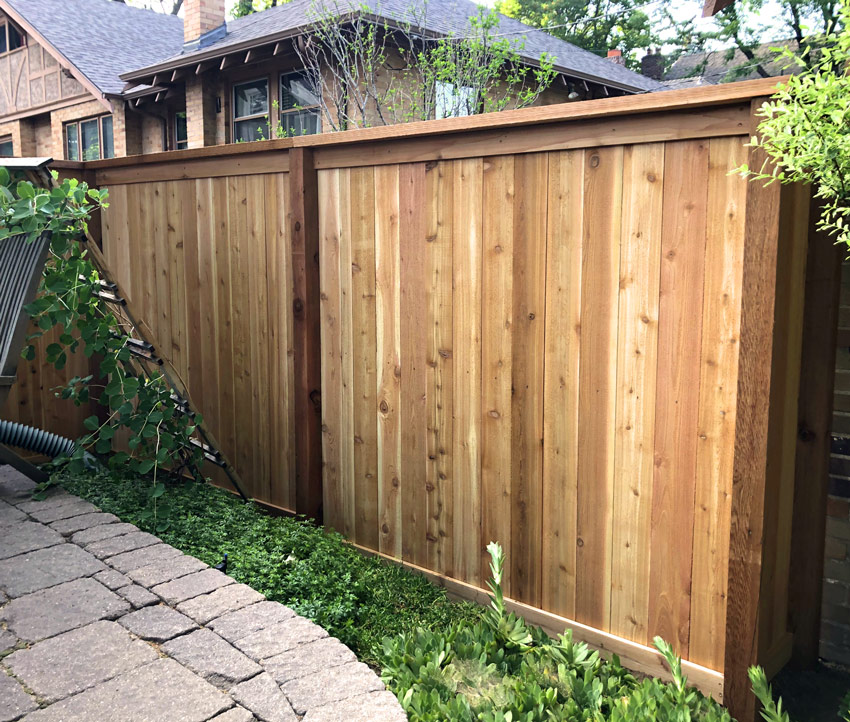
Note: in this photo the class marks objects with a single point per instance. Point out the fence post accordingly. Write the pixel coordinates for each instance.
(811, 486)
(304, 229)
(749, 476)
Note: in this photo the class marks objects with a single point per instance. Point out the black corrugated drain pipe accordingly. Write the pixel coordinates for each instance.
(36, 440)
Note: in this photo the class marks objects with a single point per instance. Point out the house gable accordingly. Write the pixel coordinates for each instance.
(36, 77)
(32, 81)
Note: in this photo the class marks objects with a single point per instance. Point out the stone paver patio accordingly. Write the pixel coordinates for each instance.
(100, 621)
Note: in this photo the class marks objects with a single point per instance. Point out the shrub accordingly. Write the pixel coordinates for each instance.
(499, 669)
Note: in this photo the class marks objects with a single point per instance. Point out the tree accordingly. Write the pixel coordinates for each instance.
(597, 25)
(364, 72)
(805, 129)
(247, 7)
(742, 27)
(170, 7)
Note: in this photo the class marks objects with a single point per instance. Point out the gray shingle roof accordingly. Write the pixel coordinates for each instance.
(106, 40)
(717, 66)
(443, 17)
(103, 39)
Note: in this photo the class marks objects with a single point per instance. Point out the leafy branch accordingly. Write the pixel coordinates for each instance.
(804, 129)
(141, 428)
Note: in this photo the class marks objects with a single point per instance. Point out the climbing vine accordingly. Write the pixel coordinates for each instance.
(140, 427)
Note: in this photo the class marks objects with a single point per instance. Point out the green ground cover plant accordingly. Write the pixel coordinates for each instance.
(444, 660)
(358, 599)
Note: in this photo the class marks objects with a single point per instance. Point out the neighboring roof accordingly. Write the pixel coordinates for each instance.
(716, 66)
(444, 17)
(679, 83)
(103, 39)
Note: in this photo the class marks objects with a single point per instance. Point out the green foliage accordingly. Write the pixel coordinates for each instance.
(741, 27)
(805, 131)
(247, 7)
(771, 711)
(844, 708)
(311, 570)
(597, 26)
(501, 669)
(133, 398)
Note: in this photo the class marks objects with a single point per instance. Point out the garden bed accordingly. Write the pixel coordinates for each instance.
(445, 660)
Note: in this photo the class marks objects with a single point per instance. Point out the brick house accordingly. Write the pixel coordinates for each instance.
(85, 79)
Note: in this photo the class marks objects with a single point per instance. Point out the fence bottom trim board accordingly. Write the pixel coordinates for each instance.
(634, 656)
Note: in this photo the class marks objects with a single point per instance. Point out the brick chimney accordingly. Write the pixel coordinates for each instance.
(652, 65)
(203, 21)
(616, 56)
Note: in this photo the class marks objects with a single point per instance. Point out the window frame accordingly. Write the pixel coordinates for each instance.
(456, 95)
(177, 141)
(78, 123)
(8, 139)
(317, 108)
(6, 23)
(261, 116)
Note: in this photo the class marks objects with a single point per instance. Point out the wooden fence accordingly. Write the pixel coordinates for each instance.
(570, 329)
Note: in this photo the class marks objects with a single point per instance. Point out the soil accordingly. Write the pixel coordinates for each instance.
(813, 695)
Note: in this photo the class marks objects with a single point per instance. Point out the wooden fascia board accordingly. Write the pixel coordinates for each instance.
(58, 56)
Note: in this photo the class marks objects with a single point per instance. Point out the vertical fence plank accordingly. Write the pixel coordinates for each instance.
(529, 306)
(816, 397)
(466, 328)
(677, 400)
(413, 408)
(496, 357)
(190, 289)
(278, 292)
(363, 311)
(718, 371)
(162, 270)
(637, 357)
(761, 232)
(388, 347)
(209, 322)
(174, 315)
(440, 192)
(226, 422)
(304, 237)
(603, 187)
(333, 468)
(561, 380)
(257, 307)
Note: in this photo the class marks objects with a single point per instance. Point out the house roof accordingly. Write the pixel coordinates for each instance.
(103, 39)
(716, 66)
(443, 17)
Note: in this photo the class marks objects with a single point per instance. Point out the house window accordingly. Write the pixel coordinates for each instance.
(7, 148)
(299, 105)
(251, 111)
(454, 101)
(89, 139)
(181, 131)
(10, 37)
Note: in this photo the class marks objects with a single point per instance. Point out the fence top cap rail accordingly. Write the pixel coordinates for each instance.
(670, 100)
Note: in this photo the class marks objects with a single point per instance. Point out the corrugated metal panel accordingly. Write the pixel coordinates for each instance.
(21, 264)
